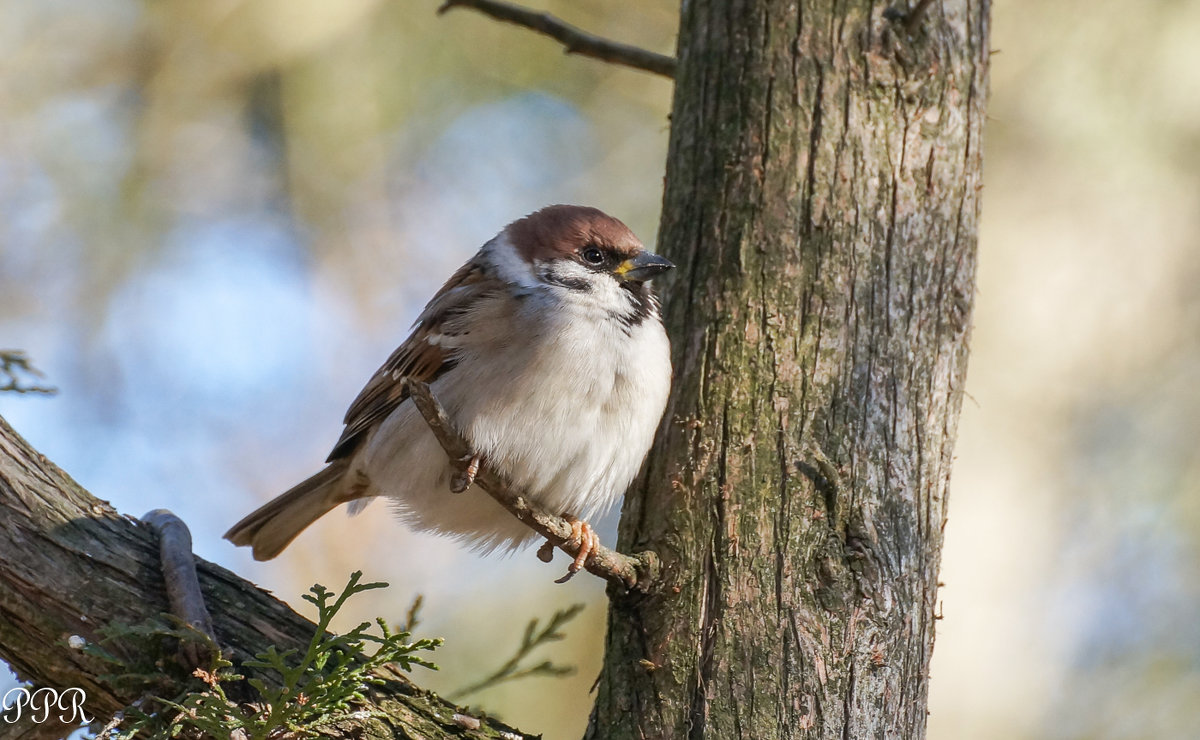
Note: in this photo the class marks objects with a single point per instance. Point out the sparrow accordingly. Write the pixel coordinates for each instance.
(547, 351)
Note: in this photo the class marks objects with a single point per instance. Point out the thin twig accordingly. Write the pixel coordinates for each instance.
(183, 586)
(573, 39)
(632, 572)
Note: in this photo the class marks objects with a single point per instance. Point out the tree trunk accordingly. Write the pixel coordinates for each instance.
(822, 200)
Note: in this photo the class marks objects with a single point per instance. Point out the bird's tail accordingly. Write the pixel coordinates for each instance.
(272, 527)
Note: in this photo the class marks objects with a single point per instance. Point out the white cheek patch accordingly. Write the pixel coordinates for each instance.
(509, 265)
(598, 293)
(565, 282)
(570, 274)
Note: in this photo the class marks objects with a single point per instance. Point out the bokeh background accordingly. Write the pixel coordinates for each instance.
(218, 218)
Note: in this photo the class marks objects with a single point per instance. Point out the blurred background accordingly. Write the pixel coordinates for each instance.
(218, 218)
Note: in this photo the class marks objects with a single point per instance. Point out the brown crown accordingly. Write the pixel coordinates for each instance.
(557, 231)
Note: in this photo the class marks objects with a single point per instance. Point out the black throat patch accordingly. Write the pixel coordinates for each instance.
(642, 305)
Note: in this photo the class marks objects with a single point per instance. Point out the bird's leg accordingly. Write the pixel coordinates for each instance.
(465, 476)
(588, 541)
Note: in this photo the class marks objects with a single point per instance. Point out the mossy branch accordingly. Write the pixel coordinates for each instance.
(70, 564)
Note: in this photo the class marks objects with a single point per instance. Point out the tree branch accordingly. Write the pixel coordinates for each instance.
(573, 39)
(635, 572)
(182, 583)
(24, 726)
(70, 564)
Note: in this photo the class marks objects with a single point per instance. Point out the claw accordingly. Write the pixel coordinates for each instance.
(588, 542)
(545, 553)
(463, 479)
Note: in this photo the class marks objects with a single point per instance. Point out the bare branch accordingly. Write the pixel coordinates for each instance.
(635, 572)
(573, 39)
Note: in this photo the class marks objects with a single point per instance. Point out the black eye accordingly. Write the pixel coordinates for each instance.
(592, 255)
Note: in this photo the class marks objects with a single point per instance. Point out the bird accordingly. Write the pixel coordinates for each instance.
(548, 351)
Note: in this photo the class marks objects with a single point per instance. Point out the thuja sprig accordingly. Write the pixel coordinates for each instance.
(334, 670)
(15, 369)
(532, 640)
(307, 691)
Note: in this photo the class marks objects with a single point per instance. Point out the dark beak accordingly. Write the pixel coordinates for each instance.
(642, 268)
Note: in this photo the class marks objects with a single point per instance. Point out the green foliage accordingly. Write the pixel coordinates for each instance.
(297, 693)
(532, 640)
(137, 653)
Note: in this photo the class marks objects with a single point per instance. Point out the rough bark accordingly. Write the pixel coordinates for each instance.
(70, 564)
(822, 199)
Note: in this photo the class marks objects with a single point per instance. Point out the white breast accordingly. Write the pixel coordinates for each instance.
(574, 427)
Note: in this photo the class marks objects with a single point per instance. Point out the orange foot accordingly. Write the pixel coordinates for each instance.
(583, 537)
(465, 476)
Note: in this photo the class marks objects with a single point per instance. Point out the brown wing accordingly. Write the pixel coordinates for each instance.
(422, 356)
